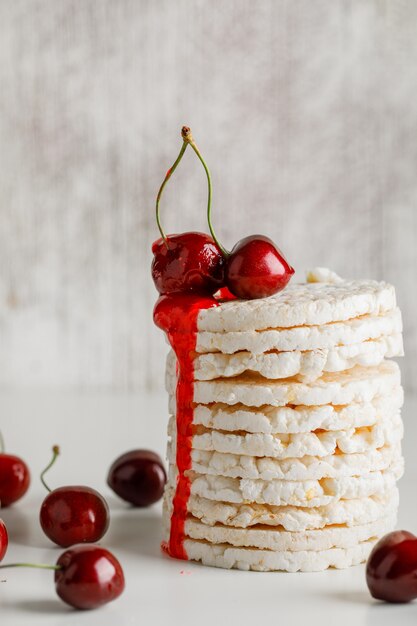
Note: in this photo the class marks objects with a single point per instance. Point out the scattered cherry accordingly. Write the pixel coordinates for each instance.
(89, 576)
(4, 540)
(256, 268)
(189, 262)
(138, 477)
(73, 514)
(391, 570)
(14, 477)
(86, 577)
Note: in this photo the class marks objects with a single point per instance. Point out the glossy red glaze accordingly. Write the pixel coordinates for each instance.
(138, 477)
(71, 515)
(177, 316)
(391, 570)
(14, 479)
(90, 577)
(256, 268)
(4, 540)
(189, 262)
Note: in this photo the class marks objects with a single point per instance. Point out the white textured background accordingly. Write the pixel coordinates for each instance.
(306, 112)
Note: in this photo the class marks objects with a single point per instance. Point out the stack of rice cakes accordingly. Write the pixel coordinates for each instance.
(296, 448)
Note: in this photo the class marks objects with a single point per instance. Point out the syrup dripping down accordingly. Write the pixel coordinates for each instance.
(176, 314)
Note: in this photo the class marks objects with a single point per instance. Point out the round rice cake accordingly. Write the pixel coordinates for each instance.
(305, 468)
(229, 557)
(284, 446)
(304, 304)
(294, 419)
(306, 365)
(325, 336)
(307, 493)
(351, 512)
(267, 538)
(359, 384)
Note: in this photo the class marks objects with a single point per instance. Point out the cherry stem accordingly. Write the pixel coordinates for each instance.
(161, 189)
(2, 448)
(188, 137)
(33, 565)
(55, 453)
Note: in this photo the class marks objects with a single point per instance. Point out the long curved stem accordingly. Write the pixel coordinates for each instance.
(33, 565)
(188, 137)
(161, 189)
(55, 454)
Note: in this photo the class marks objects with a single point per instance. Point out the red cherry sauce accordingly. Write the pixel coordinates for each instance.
(177, 315)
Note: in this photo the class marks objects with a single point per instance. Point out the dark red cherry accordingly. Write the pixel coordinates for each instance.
(138, 477)
(14, 479)
(89, 576)
(189, 262)
(75, 514)
(256, 268)
(391, 570)
(4, 540)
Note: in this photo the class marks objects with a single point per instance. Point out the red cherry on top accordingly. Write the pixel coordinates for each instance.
(138, 477)
(391, 570)
(73, 514)
(256, 268)
(189, 262)
(4, 540)
(199, 264)
(14, 478)
(89, 576)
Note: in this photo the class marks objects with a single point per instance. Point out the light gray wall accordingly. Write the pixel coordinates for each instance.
(306, 112)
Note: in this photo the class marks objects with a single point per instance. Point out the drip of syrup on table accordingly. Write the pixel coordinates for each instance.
(177, 314)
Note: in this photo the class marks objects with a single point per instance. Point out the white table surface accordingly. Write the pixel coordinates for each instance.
(92, 430)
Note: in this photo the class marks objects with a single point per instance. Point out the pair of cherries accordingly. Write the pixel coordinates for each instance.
(196, 263)
(86, 576)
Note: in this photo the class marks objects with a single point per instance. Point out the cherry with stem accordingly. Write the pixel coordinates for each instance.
(86, 577)
(72, 514)
(191, 262)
